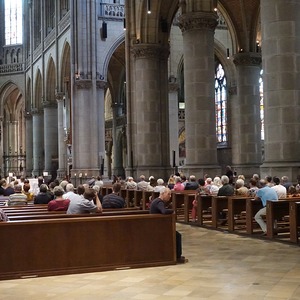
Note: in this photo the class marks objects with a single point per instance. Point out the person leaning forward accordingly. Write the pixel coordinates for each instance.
(158, 207)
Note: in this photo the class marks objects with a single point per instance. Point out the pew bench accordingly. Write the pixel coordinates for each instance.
(294, 218)
(86, 244)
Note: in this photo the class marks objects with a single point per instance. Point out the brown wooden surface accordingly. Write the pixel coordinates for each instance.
(203, 204)
(218, 204)
(75, 245)
(294, 212)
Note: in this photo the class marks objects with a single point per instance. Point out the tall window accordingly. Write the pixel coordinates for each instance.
(221, 104)
(261, 95)
(13, 22)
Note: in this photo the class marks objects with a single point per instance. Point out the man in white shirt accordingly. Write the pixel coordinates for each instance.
(280, 189)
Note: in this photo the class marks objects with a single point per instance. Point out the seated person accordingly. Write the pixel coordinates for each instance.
(158, 207)
(130, 184)
(113, 200)
(7, 188)
(85, 204)
(43, 197)
(59, 203)
(29, 195)
(192, 184)
(240, 189)
(226, 189)
(18, 198)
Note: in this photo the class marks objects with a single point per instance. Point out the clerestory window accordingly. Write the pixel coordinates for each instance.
(13, 22)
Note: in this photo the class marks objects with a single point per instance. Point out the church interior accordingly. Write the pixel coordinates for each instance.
(154, 87)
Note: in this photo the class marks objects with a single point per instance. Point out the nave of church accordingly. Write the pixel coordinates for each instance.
(221, 266)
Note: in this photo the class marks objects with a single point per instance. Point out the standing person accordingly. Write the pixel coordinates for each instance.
(113, 200)
(264, 194)
(229, 174)
(158, 207)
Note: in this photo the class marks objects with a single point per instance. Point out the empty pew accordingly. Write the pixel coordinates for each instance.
(203, 205)
(294, 213)
(86, 244)
(276, 211)
(182, 204)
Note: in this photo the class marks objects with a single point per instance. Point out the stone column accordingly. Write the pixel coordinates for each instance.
(50, 135)
(281, 65)
(200, 120)
(38, 142)
(29, 144)
(173, 122)
(61, 172)
(150, 116)
(245, 115)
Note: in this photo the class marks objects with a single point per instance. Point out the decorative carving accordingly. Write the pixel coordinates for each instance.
(83, 83)
(198, 20)
(247, 59)
(59, 96)
(173, 86)
(150, 51)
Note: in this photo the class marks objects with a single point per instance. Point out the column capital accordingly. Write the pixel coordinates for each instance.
(247, 59)
(150, 51)
(36, 111)
(59, 96)
(198, 20)
(83, 83)
(101, 84)
(49, 104)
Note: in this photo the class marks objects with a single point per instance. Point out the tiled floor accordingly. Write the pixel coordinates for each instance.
(221, 266)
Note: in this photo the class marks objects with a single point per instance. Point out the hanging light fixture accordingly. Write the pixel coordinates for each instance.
(124, 24)
(227, 53)
(149, 7)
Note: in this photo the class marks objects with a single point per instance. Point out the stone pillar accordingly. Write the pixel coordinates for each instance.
(50, 136)
(173, 122)
(150, 115)
(200, 120)
(29, 144)
(281, 65)
(38, 142)
(245, 115)
(61, 172)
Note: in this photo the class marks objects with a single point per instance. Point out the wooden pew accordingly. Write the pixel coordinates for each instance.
(276, 210)
(252, 207)
(86, 244)
(236, 206)
(204, 203)
(294, 212)
(219, 203)
(182, 204)
(63, 215)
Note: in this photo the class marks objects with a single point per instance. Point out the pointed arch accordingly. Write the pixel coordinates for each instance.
(38, 91)
(51, 81)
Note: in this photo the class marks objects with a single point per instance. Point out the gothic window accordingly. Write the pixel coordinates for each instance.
(261, 95)
(13, 22)
(221, 104)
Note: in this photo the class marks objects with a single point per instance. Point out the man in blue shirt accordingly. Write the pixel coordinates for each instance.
(264, 194)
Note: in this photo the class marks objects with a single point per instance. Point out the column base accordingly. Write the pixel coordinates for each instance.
(199, 170)
(289, 169)
(246, 170)
(61, 174)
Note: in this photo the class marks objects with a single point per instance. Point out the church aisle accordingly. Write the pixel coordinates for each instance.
(221, 266)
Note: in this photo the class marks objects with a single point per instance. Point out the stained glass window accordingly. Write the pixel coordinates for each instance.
(13, 22)
(261, 95)
(221, 103)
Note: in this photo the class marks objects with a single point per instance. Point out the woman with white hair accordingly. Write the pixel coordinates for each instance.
(160, 185)
(215, 186)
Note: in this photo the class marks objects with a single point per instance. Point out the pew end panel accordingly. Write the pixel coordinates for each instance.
(78, 245)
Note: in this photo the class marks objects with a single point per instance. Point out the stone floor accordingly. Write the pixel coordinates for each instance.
(221, 266)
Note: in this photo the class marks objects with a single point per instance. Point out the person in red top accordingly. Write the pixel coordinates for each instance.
(58, 203)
